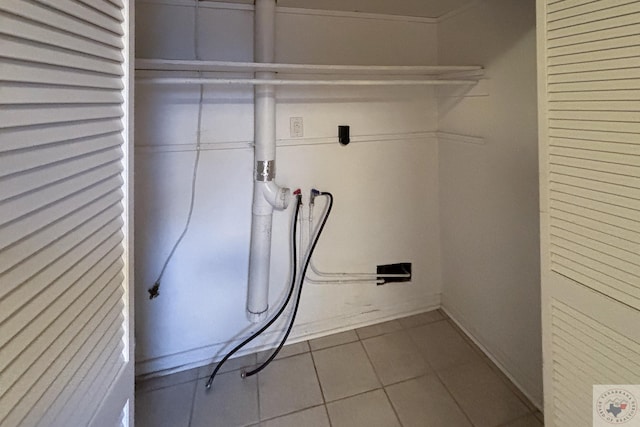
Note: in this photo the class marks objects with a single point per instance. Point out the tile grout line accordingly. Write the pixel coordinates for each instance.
(326, 411)
(384, 390)
(304, 354)
(393, 408)
(297, 411)
(336, 345)
(375, 371)
(357, 394)
(315, 369)
(380, 334)
(193, 402)
(258, 396)
(437, 375)
(467, 416)
(354, 395)
(324, 400)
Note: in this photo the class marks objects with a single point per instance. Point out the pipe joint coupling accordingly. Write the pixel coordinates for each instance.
(265, 170)
(276, 196)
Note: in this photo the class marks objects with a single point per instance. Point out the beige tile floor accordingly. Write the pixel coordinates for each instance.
(418, 371)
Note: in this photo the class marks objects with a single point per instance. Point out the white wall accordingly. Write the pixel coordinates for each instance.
(489, 193)
(385, 183)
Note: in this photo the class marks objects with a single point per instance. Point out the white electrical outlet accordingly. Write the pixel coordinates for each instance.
(296, 128)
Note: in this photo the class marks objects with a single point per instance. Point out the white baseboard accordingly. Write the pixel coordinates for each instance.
(172, 363)
(521, 380)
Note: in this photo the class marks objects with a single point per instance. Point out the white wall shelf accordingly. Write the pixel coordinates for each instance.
(388, 75)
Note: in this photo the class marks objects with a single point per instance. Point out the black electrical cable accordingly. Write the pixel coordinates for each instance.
(297, 303)
(280, 311)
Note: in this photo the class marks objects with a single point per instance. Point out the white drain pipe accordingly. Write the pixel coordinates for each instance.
(267, 195)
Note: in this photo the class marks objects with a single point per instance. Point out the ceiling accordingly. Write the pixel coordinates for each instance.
(419, 8)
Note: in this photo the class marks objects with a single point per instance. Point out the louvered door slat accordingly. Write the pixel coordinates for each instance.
(597, 105)
(566, 417)
(28, 30)
(87, 14)
(563, 372)
(15, 94)
(597, 206)
(22, 395)
(586, 361)
(53, 217)
(46, 54)
(595, 34)
(572, 8)
(39, 239)
(596, 126)
(63, 138)
(604, 197)
(97, 386)
(53, 403)
(597, 235)
(36, 115)
(592, 135)
(598, 85)
(625, 182)
(56, 278)
(606, 15)
(30, 319)
(19, 72)
(602, 56)
(22, 183)
(553, 6)
(582, 67)
(51, 341)
(632, 117)
(58, 405)
(20, 138)
(36, 200)
(602, 226)
(602, 269)
(106, 8)
(591, 332)
(628, 227)
(54, 18)
(26, 395)
(596, 75)
(23, 240)
(628, 173)
(54, 153)
(597, 146)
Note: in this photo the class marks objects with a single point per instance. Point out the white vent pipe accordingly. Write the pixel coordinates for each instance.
(267, 195)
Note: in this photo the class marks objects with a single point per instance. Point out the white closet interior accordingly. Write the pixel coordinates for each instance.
(441, 171)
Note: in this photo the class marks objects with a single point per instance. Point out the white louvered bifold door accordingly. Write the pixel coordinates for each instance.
(589, 105)
(65, 358)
